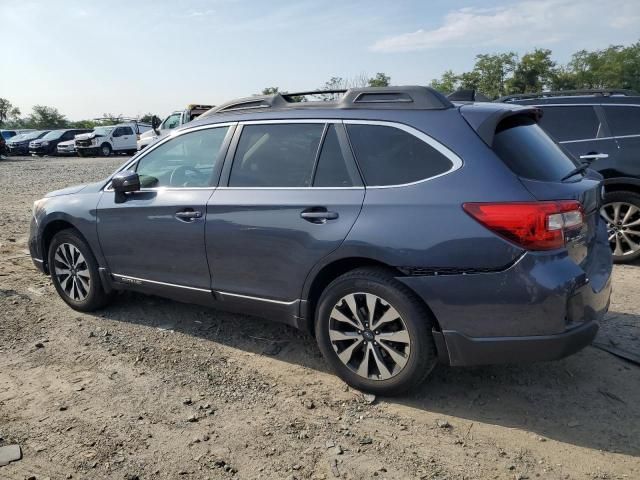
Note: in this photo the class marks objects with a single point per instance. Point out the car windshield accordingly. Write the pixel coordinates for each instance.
(28, 136)
(103, 131)
(53, 135)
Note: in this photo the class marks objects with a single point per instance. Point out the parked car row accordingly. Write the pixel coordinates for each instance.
(104, 141)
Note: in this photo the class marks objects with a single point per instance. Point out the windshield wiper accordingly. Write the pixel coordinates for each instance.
(575, 171)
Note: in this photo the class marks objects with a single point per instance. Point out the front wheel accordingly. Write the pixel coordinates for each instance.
(375, 333)
(105, 150)
(74, 272)
(621, 211)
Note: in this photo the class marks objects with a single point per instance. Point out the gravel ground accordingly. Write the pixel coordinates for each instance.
(150, 388)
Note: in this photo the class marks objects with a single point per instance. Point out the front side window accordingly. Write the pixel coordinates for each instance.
(571, 123)
(276, 155)
(171, 122)
(623, 120)
(188, 160)
(126, 131)
(390, 156)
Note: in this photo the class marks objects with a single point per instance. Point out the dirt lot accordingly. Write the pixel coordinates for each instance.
(151, 388)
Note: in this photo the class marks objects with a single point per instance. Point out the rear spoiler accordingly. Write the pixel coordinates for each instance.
(484, 118)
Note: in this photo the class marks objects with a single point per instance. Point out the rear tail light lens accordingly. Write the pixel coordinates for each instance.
(531, 225)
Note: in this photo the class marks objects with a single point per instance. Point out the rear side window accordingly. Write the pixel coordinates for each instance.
(390, 156)
(126, 131)
(332, 170)
(570, 123)
(623, 120)
(529, 152)
(276, 155)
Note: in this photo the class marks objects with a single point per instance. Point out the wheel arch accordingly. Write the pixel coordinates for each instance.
(621, 184)
(51, 228)
(323, 276)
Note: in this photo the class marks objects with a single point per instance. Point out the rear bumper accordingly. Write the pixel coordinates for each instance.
(463, 350)
(543, 307)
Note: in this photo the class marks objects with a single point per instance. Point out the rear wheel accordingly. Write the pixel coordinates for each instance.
(375, 333)
(621, 211)
(74, 272)
(105, 150)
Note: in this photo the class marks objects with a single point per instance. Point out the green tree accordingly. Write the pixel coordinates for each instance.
(270, 90)
(492, 71)
(534, 72)
(380, 80)
(147, 117)
(45, 117)
(8, 113)
(447, 83)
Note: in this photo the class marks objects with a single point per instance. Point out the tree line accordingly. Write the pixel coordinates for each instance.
(42, 117)
(500, 74)
(494, 75)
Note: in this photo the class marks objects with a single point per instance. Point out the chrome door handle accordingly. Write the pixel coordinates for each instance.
(318, 215)
(188, 215)
(594, 156)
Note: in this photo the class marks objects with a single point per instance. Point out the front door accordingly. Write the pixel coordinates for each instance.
(293, 193)
(154, 237)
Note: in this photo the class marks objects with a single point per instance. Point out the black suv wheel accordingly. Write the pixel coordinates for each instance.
(621, 211)
(374, 333)
(74, 272)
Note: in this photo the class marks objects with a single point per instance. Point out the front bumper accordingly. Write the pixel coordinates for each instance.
(18, 149)
(66, 151)
(40, 150)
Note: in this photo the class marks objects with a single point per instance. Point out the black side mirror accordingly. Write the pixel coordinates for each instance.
(155, 123)
(127, 181)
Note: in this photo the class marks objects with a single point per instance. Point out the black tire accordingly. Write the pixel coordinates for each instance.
(105, 150)
(80, 153)
(95, 296)
(629, 198)
(422, 357)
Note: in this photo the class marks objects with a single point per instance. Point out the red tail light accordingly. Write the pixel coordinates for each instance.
(532, 225)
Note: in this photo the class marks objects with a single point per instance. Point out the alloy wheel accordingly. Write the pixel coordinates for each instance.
(369, 336)
(72, 272)
(623, 227)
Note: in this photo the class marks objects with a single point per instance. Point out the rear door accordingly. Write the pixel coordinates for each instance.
(291, 195)
(583, 132)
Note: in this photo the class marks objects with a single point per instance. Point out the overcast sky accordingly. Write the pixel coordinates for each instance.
(131, 57)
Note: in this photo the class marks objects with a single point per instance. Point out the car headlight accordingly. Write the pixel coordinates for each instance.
(45, 144)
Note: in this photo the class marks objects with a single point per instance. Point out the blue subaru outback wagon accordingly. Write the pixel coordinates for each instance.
(397, 227)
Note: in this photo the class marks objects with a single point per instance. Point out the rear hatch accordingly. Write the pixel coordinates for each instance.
(549, 173)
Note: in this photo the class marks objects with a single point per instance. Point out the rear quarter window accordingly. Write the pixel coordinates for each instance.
(529, 152)
(623, 120)
(388, 155)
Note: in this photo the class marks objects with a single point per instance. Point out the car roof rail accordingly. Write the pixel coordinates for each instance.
(599, 92)
(411, 97)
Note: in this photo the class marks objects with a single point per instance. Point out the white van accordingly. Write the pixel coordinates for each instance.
(104, 141)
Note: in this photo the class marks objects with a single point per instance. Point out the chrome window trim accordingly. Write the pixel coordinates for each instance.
(291, 188)
(456, 161)
(143, 153)
(602, 138)
(155, 282)
(259, 299)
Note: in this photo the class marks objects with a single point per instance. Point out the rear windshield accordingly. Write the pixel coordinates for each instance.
(529, 152)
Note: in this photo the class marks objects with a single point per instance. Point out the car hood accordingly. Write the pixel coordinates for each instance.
(66, 191)
(66, 143)
(85, 136)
